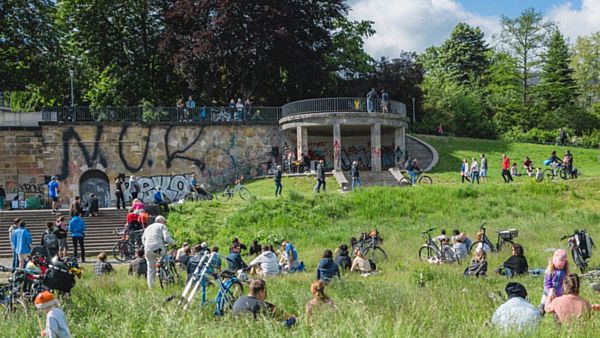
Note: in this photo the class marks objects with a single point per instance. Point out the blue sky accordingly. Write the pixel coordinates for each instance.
(414, 25)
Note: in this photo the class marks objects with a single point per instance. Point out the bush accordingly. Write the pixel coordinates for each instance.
(533, 135)
(150, 113)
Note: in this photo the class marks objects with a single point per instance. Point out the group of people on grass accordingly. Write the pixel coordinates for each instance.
(477, 171)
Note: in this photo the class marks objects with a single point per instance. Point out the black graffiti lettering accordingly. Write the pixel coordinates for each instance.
(170, 157)
(133, 169)
(90, 159)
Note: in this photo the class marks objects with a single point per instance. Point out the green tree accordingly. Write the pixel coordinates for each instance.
(585, 63)
(503, 88)
(465, 54)
(526, 37)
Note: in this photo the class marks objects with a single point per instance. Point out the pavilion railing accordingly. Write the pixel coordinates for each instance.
(342, 104)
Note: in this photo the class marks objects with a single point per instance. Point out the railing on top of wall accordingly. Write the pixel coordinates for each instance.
(341, 104)
(201, 115)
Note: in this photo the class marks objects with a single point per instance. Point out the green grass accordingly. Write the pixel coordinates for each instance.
(389, 304)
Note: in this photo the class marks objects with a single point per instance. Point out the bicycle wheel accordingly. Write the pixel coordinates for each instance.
(475, 244)
(549, 174)
(562, 173)
(504, 244)
(376, 254)
(17, 307)
(120, 251)
(235, 290)
(163, 278)
(427, 252)
(425, 180)
(579, 261)
(245, 193)
(404, 182)
(173, 274)
(227, 194)
(449, 255)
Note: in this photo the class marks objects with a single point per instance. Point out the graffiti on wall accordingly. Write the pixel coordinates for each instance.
(173, 187)
(90, 158)
(31, 187)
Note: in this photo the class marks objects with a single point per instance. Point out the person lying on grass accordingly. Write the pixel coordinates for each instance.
(360, 263)
(478, 265)
(517, 314)
(255, 303)
(569, 307)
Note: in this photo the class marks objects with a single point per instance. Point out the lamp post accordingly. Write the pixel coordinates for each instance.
(71, 74)
(413, 100)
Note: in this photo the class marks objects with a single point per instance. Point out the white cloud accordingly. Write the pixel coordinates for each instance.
(414, 25)
(573, 21)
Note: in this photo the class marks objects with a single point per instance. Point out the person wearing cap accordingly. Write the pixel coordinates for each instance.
(556, 271)
(569, 306)
(155, 237)
(517, 314)
(160, 200)
(56, 322)
(53, 193)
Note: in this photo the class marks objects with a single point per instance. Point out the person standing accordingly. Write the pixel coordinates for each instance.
(385, 101)
(474, 171)
(50, 239)
(371, 98)
(278, 176)
(77, 230)
(11, 231)
(2, 197)
(464, 171)
(53, 192)
(63, 244)
(320, 177)
(21, 241)
(155, 236)
(355, 175)
(484, 168)
(506, 169)
(119, 193)
(134, 187)
(190, 106)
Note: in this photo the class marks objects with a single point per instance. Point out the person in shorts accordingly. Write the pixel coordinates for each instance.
(53, 192)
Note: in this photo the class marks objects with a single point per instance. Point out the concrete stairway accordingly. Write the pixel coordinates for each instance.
(99, 233)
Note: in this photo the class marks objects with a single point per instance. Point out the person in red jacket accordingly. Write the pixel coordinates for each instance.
(506, 169)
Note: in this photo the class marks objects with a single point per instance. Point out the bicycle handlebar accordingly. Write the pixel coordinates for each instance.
(482, 226)
(428, 231)
(565, 237)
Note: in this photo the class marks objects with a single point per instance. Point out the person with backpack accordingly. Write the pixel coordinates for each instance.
(77, 230)
(50, 239)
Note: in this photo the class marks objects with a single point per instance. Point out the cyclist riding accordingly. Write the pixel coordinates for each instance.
(553, 161)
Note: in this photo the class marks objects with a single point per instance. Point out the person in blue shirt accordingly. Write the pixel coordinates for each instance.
(327, 269)
(21, 242)
(77, 230)
(234, 259)
(53, 193)
(203, 113)
(290, 255)
(160, 200)
(190, 106)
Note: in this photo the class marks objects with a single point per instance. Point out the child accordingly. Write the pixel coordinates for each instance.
(539, 175)
(56, 323)
(514, 171)
(556, 271)
(478, 265)
(317, 288)
(102, 266)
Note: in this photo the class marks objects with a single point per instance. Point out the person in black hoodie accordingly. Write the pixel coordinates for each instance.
(342, 258)
(515, 264)
(327, 269)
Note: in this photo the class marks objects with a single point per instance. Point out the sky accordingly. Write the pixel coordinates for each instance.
(414, 25)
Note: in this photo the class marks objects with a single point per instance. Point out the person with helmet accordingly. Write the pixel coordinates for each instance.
(56, 322)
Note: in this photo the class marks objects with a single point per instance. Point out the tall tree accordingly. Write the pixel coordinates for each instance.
(585, 63)
(526, 37)
(465, 54)
(274, 51)
(503, 88)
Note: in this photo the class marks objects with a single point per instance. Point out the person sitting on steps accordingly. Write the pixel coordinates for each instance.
(160, 200)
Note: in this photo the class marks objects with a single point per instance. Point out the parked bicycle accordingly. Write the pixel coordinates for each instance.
(11, 298)
(505, 239)
(421, 178)
(229, 193)
(124, 250)
(166, 272)
(369, 245)
(431, 252)
(580, 245)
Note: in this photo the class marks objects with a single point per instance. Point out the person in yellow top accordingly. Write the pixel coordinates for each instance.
(360, 263)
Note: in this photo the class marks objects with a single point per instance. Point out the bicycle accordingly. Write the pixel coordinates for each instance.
(505, 237)
(430, 251)
(369, 245)
(421, 179)
(557, 171)
(11, 298)
(580, 246)
(165, 269)
(239, 189)
(125, 249)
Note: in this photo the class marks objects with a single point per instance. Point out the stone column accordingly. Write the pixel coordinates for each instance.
(337, 147)
(399, 144)
(376, 147)
(301, 142)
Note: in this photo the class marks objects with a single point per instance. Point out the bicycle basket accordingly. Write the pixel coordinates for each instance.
(59, 279)
(508, 234)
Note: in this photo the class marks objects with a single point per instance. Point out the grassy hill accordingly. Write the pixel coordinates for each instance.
(389, 304)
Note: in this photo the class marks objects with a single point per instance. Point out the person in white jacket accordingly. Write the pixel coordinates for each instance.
(155, 237)
(267, 262)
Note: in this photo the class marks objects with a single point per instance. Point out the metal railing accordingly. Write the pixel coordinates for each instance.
(342, 104)
(202, 115)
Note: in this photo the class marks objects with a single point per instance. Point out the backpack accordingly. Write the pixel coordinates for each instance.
(585, 244)
(50, 240)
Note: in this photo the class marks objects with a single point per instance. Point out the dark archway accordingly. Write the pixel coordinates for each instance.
(95, 182)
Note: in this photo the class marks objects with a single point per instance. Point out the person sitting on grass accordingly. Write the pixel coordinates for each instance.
(514, 171)
(234, 259)
(102, 267)
(56, 322)
(360, 264)
(255, 303)
(481, 245)
(458, 245)
(266, 263)
(320, 299)
(516, 264)
(442, 238)
(342, 257)
(554, 278)
(290, 255)
(528, 166)
(569, 307)
(517, 314)
(327, 269)
(478, 265)
(255, 249)
(138, 266)
(181, 260)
